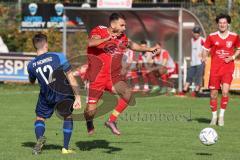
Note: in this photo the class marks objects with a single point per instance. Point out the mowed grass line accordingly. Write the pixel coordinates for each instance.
(155, 128)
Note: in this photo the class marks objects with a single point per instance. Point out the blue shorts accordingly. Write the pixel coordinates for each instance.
(195, 74)
(45, 109)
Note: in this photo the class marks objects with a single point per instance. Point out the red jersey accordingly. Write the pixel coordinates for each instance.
(106, 59)
(221, 47)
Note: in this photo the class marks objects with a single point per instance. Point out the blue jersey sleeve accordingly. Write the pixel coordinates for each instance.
(30, 72)
(64, 62)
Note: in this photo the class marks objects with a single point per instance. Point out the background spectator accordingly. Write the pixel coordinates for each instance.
(195, 71)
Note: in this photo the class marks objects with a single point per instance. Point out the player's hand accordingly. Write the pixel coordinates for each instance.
(162, 70)
(155, 50)
(77, 103)
(108, 38)
(76, 73)
(228, 59)
(204, 60)
(112, 36)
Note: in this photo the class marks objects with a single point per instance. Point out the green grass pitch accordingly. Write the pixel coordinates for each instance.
(156, 128)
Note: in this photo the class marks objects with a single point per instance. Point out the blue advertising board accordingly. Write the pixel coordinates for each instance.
(40, 16)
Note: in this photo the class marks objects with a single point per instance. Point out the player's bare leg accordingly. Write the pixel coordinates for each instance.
(213, 105)
(224, 102)
(89, 114)
(125, 97)
(197, 89)
(39, 131)
(186, 86)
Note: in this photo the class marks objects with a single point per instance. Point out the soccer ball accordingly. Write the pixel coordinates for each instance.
(208, 136)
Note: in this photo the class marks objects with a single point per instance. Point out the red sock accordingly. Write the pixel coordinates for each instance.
(224, 102)
(213, 104)
(121, 106)
(164, 78)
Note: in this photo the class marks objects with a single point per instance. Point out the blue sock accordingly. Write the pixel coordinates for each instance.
(39, 128)
(67, 132)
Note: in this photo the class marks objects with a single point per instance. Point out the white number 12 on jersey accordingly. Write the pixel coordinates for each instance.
(46, 68)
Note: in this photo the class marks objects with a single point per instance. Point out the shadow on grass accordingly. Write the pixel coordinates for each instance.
(46, 146)
(202, 120)
(99, 144)
(204, 154)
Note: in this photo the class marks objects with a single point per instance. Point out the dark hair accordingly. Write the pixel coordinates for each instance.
(143, 42)
(39, 40)
(226, 16)
(116, 16)
(196, 29)
(159, 43)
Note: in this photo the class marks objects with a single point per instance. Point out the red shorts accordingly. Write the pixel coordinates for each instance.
(215, 81)
(96, 88)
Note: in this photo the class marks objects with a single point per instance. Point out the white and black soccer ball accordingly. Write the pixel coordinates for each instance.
(208, 136)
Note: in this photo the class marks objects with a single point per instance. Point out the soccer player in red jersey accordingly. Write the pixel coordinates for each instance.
(224, 47)
(106, 46)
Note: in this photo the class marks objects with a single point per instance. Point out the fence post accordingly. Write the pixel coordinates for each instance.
(180, 27)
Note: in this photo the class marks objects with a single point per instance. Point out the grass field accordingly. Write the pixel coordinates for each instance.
(158, 127)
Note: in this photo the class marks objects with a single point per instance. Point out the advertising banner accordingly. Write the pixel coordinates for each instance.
(44, 16)
(114, 4)
(13, 67)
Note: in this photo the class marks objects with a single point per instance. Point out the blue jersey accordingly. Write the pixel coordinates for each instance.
(49, 69)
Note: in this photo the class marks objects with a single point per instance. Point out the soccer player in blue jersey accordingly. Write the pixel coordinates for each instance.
(57, 87)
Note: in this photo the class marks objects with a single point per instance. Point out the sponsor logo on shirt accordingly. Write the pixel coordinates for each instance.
(222, 53)
(229, 44)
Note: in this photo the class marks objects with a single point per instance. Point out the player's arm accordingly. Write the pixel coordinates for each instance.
(237, 52)
(96, 40)
(164, 61)
(165, 58)
(206, 46)
(71, 79)
(233, 57)
(204, 55)
(76, 89)
(136, 47)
